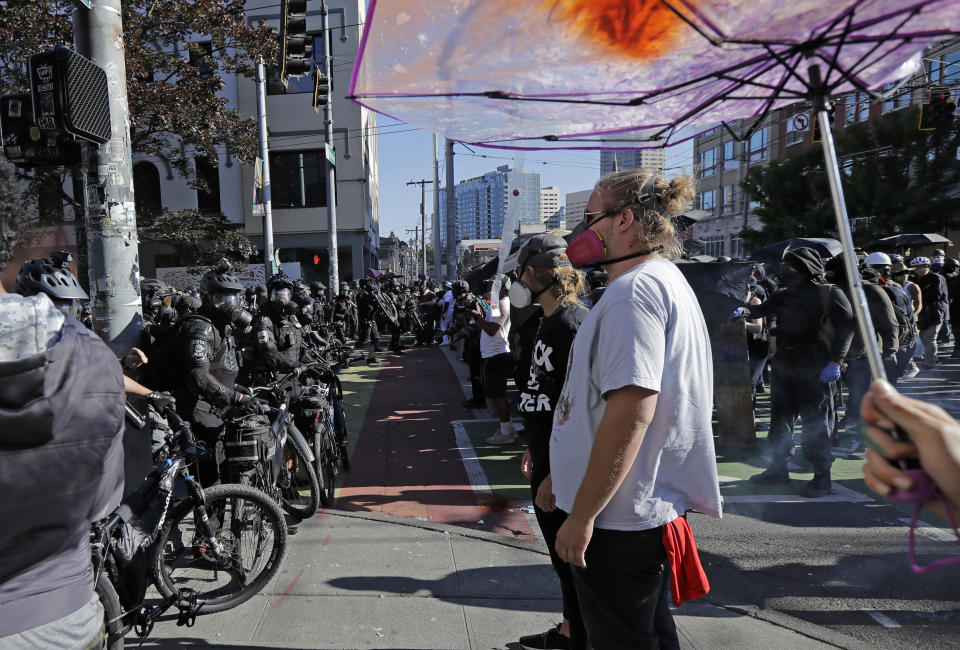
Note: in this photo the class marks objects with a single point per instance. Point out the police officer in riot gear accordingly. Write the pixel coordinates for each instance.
(368, 309)
(277, 330)
(209, 362)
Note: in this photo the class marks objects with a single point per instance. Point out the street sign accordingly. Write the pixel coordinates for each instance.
(801, 122)
(331, 155)
(83, 3)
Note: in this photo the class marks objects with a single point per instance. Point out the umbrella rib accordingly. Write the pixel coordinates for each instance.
(712, 40)
(770, 102)
(791, 70)
(879, 44)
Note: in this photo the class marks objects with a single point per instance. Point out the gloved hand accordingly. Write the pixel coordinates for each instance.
(830, 372)
(248, 404)
(243, 389)
(160, 401)
(737, 313)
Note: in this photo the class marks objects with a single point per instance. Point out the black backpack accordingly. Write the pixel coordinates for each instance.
(903, 308)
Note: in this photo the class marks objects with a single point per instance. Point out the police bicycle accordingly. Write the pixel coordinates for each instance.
(206, 550)
(286, 469)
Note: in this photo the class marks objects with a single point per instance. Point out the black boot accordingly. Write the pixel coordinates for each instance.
(818, 487)
(771, 475)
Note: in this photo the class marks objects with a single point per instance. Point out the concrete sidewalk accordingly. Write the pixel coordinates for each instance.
(366, 580)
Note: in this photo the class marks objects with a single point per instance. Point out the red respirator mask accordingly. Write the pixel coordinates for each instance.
(588, 249)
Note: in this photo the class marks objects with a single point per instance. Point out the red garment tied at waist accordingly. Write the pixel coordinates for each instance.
(687, 578)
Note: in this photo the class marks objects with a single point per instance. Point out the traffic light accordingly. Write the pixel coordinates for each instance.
(296, 47)
(321, 90)
(938, 112)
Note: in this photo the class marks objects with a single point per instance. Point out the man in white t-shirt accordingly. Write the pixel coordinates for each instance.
(632, 445)
(497, 362)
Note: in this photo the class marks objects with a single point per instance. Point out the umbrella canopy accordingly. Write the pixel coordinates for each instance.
(626, 73)
(895, 242)
(773, 253)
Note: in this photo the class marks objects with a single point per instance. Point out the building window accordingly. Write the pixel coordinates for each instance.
(146, 188)
(736, 247)
(297, 179)
(201, 57)
(758, 145)
(896, 101)
(208, 199)
(728, 199)
(731, 158)
(708, 200)
(856, 107)
(49, 206)
(714, 245)
(708, 162)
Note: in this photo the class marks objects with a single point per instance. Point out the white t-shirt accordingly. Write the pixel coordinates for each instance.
(646, 331)
(497, 344)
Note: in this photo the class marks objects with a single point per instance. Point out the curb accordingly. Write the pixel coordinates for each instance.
(530, 546)
(794, 624)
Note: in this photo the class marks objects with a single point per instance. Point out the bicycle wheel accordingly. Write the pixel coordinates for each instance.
(299, 485)
(112, 612)
(251, 529)
(340, 431)
(325, 467)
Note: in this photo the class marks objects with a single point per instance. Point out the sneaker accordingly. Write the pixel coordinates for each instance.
(474, 404)
(500, 439)
(911, 372)
(771, 475)
(549, 640)
(818, 487)
(371, 360)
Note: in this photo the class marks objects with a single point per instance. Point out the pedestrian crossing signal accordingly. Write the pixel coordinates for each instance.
(937, 113)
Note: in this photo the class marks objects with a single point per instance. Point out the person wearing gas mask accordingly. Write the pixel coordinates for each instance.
(631, 447)
(277, 331)
(814, 329)
(368, 309)
(209, 363)
(545, 276)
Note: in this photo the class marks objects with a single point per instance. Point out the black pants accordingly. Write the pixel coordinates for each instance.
(796, 391)
(368, 331)
(623, 591)
(472, 356)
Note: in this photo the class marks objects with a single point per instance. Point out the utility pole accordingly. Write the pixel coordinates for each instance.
(436, 211)
(423, 221)
(110, 219)
(416, 237)
(451, 216)
(268, 260)
(329, 159)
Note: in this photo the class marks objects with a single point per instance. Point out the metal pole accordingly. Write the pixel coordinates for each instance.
(333, 247)
(436, 211)
(451, 215)
(423, 225)
(859, 299)
(268, 260)
(110, 220)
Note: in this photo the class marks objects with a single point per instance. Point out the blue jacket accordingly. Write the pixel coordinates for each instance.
(61, 467)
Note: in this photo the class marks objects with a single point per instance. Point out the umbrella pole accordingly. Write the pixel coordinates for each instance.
(858, 297)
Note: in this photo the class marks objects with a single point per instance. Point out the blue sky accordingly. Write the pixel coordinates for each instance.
(406, 154)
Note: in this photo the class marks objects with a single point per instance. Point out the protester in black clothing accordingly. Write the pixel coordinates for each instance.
(546, 276)
(857, 375)
(951, 271)
(933, 290)
(814, 328)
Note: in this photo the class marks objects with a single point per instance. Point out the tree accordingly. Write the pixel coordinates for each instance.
(892, 172)
(178, 53)
(200, 239)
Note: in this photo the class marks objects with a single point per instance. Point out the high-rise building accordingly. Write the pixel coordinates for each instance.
(576, 204)
(621, 159)
(482, 204)
(549, 202)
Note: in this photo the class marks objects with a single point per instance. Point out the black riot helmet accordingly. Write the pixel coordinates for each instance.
(52, 276)
(280, 289)
(317, 288)
(220, 291)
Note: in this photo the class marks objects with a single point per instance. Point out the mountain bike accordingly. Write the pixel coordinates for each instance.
(207, 550)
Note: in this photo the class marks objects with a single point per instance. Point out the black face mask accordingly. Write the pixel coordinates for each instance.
(790, 279)
(242, 318)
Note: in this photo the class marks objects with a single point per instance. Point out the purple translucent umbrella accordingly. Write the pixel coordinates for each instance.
(584, 74)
